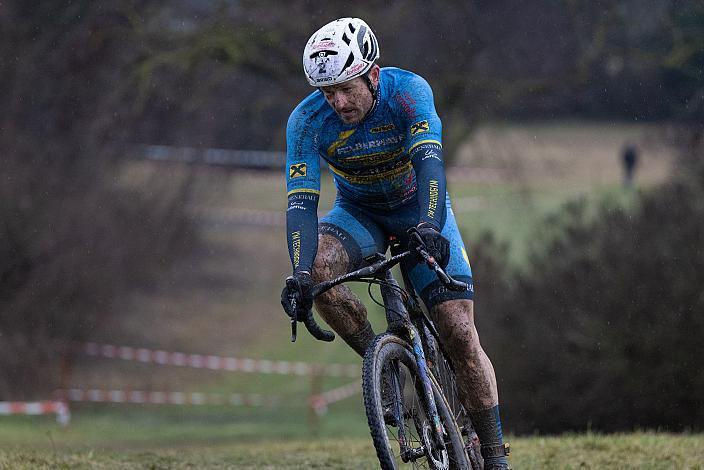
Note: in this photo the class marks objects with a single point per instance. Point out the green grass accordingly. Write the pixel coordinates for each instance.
(96, 444)
(118, 427)
(516, 213)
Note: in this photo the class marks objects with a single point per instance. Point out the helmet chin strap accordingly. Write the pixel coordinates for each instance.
(375, 95)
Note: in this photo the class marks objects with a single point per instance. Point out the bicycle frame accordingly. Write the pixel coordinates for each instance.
(411, 326)
(405, 319)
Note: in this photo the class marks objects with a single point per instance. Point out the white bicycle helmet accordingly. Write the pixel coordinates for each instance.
(339, 51)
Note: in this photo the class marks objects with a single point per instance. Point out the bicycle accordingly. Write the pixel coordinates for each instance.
(408, 382)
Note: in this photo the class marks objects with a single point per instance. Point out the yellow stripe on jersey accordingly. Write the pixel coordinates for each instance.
(377, 158)
(367, 179)
(303, 190)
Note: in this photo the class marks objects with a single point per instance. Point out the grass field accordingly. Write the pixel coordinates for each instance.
(223, 300)
(64, 449)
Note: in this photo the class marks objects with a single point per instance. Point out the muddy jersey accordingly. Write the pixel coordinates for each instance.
(392, 158)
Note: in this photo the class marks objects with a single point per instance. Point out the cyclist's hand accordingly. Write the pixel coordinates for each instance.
(434, 243)
(297, 299)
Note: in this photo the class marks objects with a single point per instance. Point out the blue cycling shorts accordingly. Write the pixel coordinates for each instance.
(364, 232)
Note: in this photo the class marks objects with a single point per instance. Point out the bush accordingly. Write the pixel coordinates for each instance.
(72, 236)
(603, 329)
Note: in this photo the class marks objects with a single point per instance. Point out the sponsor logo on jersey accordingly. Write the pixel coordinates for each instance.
(370, 144)
(384, 128)
(431, 153)
(378, 158)
(336, 232)
(433, 199)
(420, 127)
(296, 245)
(340, 141)
(297, 170)
(304, 195)
(407, 104)
(296, 205)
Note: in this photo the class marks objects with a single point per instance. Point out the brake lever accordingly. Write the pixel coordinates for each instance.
(293, 329)
(292, 285)
(445, 279)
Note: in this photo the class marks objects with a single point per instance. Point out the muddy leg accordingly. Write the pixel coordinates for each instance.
(475, 374)
(339, 307)
(476, 380)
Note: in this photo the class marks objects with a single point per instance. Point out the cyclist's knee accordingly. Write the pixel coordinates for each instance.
(331, 259)
(455, 320)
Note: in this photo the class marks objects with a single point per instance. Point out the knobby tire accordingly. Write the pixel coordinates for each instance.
(384, 351)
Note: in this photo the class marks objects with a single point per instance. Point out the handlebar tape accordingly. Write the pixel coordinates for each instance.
(315, 330)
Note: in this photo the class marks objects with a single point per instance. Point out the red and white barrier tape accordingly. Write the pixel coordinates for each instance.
(320, 401)
(60, 408)
(233, 364)
(168, 398)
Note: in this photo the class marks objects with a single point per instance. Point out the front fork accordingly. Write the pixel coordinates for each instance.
(427, 388)
(399, 323)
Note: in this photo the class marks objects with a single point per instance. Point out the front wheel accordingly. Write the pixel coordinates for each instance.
(396, 411)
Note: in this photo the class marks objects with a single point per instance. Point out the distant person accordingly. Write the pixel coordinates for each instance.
(630, 162)
(378, 130)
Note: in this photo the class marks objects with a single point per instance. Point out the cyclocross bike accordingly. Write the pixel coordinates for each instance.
(408, 382)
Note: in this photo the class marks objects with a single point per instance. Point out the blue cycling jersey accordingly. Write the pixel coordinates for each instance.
(392, 158)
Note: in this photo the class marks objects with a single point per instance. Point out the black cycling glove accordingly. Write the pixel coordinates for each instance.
(298, 294)
(434, 243)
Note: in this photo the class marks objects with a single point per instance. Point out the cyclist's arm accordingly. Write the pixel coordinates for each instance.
(430, 176)
(424, 137)
(303, 191)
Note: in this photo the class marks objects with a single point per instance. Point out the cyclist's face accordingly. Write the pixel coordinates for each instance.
(351, 100)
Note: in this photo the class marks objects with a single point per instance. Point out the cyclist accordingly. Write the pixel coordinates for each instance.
(380, 135)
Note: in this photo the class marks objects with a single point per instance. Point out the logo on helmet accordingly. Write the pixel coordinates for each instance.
(323, 45)
(355, 69)
(321, 61)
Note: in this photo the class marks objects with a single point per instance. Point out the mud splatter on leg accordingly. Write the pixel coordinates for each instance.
(476, 380)
(339, 307)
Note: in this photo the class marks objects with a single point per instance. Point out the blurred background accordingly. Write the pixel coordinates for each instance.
(142, 205)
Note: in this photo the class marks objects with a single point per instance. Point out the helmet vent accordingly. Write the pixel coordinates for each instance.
(350, 59)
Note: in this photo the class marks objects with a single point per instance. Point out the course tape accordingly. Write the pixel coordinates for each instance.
(60, 408)
(232, 364)
(320, 401)
(257, 159)
(168, 398)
